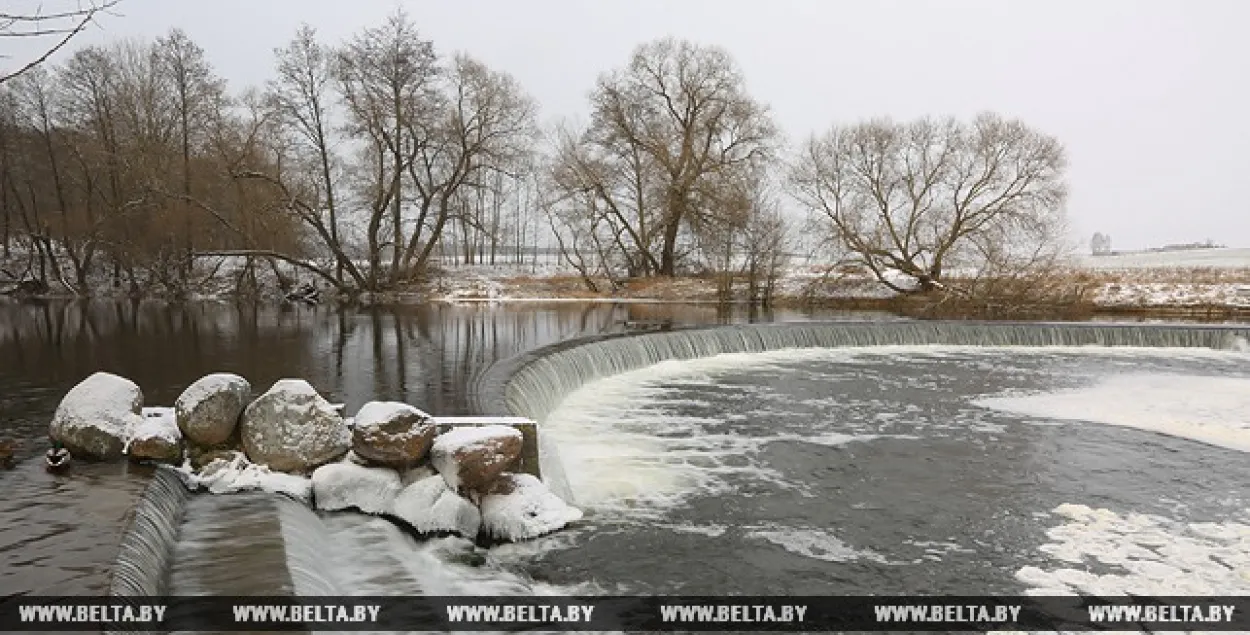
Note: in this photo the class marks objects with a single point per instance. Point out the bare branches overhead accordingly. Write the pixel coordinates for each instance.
(57, 24)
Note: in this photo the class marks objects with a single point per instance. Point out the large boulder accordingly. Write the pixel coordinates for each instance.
(429, 507)
(470, 458)
(347, 485)
(208, 410)
(520, 507)
(392, 434)
(291, 428)
(156, 438)
(95, 417)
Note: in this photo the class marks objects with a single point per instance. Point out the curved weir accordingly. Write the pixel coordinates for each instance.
(264, 544)
(533, 385)
(147, 547)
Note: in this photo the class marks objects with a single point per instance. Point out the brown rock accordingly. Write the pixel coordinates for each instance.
(471, 458)
(156, 449)
(392, 434)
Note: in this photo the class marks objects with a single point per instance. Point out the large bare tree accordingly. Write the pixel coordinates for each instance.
(666, 130)
(916, 198)
(55, 24)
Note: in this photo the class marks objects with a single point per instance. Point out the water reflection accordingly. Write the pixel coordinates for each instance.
(424, 355)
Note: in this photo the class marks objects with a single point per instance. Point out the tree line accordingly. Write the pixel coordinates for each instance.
(369, 163)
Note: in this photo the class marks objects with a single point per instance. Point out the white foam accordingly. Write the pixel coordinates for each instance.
(815, 543)
(1142, 555)
(1207, 409)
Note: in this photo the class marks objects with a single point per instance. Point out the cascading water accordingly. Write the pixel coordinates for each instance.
(230, 545)
(143, 558)
(539, 384)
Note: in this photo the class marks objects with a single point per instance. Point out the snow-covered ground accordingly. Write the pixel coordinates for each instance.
(1218, 258)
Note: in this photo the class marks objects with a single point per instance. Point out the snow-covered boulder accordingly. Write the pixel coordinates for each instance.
(156, 437)
(95, 416)
(208, 410)
(291, 428)
(429, 507)
(347, 485)
(234, 473)
(520, 507)
(392, 434)
(470, 458)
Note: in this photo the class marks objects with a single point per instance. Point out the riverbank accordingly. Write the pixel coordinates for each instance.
(1160, 292)
(1214, 288)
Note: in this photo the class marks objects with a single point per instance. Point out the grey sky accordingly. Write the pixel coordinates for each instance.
(1151, 98)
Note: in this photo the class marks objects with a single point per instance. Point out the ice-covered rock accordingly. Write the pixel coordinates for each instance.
(208, 410)
(470, 458)
(234, 473)
(392, 434)
(520, 507)
(347, 485)
(430, 507)
(156, 437)
(95, 416)
(291, 428)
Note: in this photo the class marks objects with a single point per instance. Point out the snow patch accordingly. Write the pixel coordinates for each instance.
(155, 423)
(529, 511)
(379, 412)
(345, 485)
(1210, 410)
(240, 475)
(206, 387)
(472, 437)
(815, 543)
(429, 506)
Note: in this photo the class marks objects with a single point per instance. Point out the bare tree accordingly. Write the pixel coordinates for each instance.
(388, 78)
(59, 25)
(302, 96)
(665, 130)
(915, 198)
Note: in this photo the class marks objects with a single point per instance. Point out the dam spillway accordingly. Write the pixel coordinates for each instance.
(534, 384)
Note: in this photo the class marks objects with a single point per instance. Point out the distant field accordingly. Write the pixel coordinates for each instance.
(1228, 258)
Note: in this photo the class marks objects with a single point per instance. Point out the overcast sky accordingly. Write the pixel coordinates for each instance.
(1151, 98)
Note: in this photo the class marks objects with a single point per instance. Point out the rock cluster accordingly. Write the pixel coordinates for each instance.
(390, 459)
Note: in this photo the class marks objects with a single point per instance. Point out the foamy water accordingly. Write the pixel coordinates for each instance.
(638, 450)
(625, 445)
(1101, 552)
(1214, 410)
